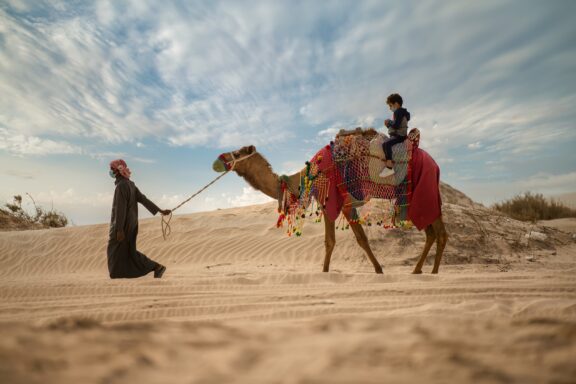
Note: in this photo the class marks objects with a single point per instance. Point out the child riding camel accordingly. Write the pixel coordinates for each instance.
(397, 130)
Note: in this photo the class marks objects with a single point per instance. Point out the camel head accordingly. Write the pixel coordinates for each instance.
(230, 160)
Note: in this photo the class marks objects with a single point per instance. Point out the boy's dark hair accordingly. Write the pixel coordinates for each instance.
(394, 98)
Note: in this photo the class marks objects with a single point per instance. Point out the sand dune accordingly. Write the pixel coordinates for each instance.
(243, 303)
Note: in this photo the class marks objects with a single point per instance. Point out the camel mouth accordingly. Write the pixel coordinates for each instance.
(218, 166)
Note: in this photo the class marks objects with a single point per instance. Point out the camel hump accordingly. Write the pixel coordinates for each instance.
(368, 133)
(371, 134)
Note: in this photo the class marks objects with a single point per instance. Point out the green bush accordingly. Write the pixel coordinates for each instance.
(533, 207)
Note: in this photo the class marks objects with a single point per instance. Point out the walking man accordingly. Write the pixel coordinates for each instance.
(124, 261)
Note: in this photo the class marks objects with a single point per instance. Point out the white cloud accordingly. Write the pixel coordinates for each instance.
(141, 160)
(18, 144)
(488, 192)
(291, 167)
(21, 146)
(475, 145)
(208, 202)
(330, 132)
(105, 12)
(249, 196)
(70, 197)
(172, 201)
(52, 88)
(214, 75)
(20, 174)
(445, 160)
(550, 183)
(19, 5)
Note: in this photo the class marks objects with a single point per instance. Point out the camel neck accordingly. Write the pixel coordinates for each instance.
(258, 173)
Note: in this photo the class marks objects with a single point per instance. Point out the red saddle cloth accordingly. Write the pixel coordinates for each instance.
(425, 204)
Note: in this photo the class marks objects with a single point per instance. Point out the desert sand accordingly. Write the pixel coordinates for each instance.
(243, 303)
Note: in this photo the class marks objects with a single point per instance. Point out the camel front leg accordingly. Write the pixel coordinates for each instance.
(363, 242)
(430, 237)
(441, 240)
(329, 241)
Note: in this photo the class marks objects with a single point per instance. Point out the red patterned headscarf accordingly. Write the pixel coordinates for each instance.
(120, 166)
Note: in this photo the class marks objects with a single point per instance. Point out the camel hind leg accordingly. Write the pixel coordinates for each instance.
(441, 240)
(362, 240)
(430, 237)
(329, 241)
(435, 232)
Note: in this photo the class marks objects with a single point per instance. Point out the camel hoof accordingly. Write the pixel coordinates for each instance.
(379, 271)
(434, 272)
(417, 272)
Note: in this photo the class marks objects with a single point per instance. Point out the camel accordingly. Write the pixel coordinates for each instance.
(255, 169)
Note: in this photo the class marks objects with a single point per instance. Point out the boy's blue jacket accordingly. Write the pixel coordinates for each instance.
(399, 126)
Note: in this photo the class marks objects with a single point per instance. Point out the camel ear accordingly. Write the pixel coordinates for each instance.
(251, 149)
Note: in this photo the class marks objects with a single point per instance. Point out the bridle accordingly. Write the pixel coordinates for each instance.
(229, 165)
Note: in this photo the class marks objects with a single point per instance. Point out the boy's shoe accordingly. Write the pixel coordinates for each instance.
(386, 172)
(158, 272)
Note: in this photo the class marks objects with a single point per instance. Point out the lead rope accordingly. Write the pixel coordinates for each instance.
(166, 229)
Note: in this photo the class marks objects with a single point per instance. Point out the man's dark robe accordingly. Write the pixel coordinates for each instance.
(124, 261)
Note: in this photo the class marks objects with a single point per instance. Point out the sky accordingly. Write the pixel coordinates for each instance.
(170, 85)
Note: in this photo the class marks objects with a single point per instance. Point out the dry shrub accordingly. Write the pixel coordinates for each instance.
(53, 219)
(534, 207)
(41, 217)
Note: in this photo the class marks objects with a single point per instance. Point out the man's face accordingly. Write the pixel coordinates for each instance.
(393, 106)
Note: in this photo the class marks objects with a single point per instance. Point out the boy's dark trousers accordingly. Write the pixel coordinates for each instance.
(394, 139)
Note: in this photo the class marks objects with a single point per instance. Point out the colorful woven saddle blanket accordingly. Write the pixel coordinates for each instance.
(344, 175)
(354, 164)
